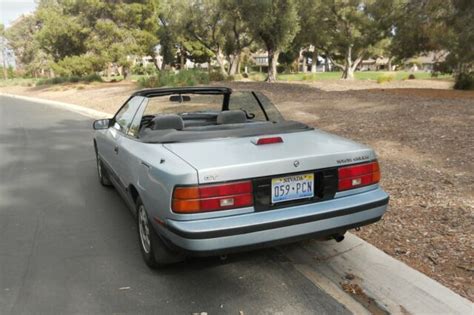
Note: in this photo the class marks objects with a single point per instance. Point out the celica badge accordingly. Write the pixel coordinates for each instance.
(296, 163)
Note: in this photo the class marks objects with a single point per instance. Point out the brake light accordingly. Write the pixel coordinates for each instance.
(269, 140)
(214, 197)
(358, 175)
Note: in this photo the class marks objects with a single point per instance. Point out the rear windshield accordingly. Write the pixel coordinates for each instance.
(185, 104)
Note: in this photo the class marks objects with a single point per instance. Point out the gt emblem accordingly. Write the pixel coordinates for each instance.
(296, 163)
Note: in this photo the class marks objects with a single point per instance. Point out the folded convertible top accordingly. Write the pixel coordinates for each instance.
(221, 131)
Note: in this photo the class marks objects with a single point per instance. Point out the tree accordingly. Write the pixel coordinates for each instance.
(203, 22)
(275, 24)
(3, 48)
(237, 37)
(60, 35)
(419, 32)
(352, 30)
(21, 38)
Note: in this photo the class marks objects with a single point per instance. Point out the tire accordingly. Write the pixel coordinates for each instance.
(154, 251)
(102, 173)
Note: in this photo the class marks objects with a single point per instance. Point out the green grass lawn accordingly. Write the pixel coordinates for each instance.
(360, 75)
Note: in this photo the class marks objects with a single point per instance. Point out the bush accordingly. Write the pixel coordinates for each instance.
(411, 77)
(138, 69)
(168, 78)
(216, 76)
(79, 66)
(464, 81)
(385, 78)
(70, 79)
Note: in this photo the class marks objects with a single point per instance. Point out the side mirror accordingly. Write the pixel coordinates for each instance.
(101, 124)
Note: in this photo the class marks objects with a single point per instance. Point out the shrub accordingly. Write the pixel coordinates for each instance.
(216, 76)
(80, 66)
(94, 77)
(70, 79)
(168, 78)
(385, 78)
(411, 77)
(138, 69)
(464, 81)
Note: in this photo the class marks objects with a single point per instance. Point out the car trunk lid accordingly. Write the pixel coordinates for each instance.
(241, 158)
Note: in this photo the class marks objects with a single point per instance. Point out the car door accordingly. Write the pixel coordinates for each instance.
(110, 143)
(126, 157)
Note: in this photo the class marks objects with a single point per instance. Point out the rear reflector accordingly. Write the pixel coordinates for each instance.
(358, 175)
(204, 198)
(271, 140)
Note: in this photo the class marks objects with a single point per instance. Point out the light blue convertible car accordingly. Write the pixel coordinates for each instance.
(208, 171)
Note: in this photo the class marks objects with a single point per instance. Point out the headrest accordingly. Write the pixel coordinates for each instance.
(231, 117)
(167, 122)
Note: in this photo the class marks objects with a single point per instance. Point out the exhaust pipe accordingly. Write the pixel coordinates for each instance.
(338, 237)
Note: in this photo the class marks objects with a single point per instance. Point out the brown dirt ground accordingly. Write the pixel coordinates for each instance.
(424, 140)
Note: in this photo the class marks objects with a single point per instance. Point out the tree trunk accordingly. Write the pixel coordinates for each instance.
(235, 63)
(239, 66)
(304, 64)
(209, 66)
(220, 62)
(389, 65)
(181, 61)
(272, 65)
(348, 73)
(314, 62)
(326, 64)
(126, 73)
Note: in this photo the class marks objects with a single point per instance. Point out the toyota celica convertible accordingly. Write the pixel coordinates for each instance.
(208, 171)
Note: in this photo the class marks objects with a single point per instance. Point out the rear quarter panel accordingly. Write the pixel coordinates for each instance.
(154, 171)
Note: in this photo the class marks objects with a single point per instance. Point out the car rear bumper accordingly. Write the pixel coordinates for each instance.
(272, 227)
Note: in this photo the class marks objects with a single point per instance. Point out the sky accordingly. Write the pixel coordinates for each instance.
(11, 9)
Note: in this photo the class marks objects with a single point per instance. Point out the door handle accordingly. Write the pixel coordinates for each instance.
(116, 149)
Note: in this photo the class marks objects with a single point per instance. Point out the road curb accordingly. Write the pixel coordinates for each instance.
(92, 113)
(396, 287)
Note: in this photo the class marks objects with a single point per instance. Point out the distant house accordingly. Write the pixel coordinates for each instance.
(425, 62)
(375, 64)
(260, 59)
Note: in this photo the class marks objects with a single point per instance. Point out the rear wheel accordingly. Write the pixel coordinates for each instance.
(154, 251)
(101, 172)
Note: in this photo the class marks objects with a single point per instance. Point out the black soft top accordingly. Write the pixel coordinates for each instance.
(183, 90)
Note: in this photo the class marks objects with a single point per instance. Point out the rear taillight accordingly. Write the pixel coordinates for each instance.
(359, 175)
(204, 198)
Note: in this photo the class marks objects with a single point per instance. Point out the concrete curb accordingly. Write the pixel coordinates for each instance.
(396, 287)
(67, 106)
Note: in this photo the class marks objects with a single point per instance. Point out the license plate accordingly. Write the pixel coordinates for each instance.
(292, 187)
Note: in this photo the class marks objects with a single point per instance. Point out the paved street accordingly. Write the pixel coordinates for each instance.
(69, 245)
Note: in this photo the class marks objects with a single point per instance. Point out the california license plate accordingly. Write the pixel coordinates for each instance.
(292, 187)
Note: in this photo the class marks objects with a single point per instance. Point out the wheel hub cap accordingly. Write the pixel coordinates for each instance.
(144, 229)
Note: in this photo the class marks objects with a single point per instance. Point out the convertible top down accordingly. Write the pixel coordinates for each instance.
(209, 171)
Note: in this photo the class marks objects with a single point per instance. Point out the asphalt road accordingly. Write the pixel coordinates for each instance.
(69, 245)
